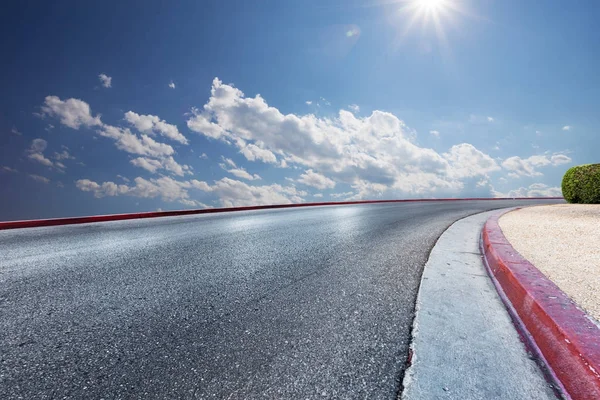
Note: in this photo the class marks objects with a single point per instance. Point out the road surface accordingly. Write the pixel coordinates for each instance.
(292, 303)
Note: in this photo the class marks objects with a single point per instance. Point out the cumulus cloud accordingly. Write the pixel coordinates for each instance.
(36, 153)
(467, 162)
(435, 133)
(237, 171)
(243, 174)
(152, 125)
(231, 192)
(148, 164)
(63, 155)
(316, 180)
(8, 169)
(15, 131)
(373, 154)
(528, 166)
(172, 85)
(142, 145)
(39, 178)
(105, 80)
(166, 188)
(73, 113)
(480, 119)
(155, 155)
(354, 108)
(253, 153)
(534, 190)
(229, 161)
(340, 195)
(166, 163)
(566, 128)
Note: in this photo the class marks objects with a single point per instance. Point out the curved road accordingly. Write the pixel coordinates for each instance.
(291, 303)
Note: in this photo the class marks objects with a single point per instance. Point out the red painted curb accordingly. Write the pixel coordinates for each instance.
(565, 337)
(154, 214)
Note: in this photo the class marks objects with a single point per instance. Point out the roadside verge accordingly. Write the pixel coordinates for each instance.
(566, 340)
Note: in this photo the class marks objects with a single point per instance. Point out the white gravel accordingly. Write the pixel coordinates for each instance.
(563, 242)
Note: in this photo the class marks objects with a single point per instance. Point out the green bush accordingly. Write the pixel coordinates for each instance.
(581, 184)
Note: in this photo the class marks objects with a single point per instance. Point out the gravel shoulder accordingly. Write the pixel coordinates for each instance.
(563, 242)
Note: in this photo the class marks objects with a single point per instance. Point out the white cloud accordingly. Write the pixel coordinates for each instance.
(308, 102)
(373, 154)
(75, 113)
(147, 163)
(229, 161)
(242, 173)
(318, 195)
(172, 85)
(38, 145)
(151, 125)
(166, 163)
(39, 178)
(534, 190)
(231, 193)
(566, 128)
(72, 112)
(39, 157)
(435, 133)
(354, 108)
(234, 193)
(8, 169)
(36, 153)
(339, 195)
(15, 131)
(481, 119)
(106, 80)
(239, 172)
(63, 155)
(528, 166)
(203, 156)
(467, 162)
(253, 153)
(316, 180)
(559, 159)
(165, 187)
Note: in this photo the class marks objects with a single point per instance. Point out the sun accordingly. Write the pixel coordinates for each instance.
(433, 17)
(430, 9)
(430, 5)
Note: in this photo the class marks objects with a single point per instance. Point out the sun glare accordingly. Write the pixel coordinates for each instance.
(433, 16)
(430, 5)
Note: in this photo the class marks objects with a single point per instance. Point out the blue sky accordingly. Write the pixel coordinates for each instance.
(135, 106)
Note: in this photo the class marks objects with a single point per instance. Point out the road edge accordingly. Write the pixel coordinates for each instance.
(34, 223)
(564, 337)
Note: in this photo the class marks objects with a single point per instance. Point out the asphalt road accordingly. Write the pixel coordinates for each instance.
(293, 303)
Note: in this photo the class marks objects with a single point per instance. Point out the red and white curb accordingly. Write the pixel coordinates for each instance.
(120, 217)
(565, 338)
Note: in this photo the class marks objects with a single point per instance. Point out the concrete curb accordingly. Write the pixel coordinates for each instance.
(565, 338)
(156, 214)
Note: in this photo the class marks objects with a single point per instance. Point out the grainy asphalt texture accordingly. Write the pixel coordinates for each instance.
(295, 303)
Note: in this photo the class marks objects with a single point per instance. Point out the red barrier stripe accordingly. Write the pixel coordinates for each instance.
(566, 338)
(154, 214)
